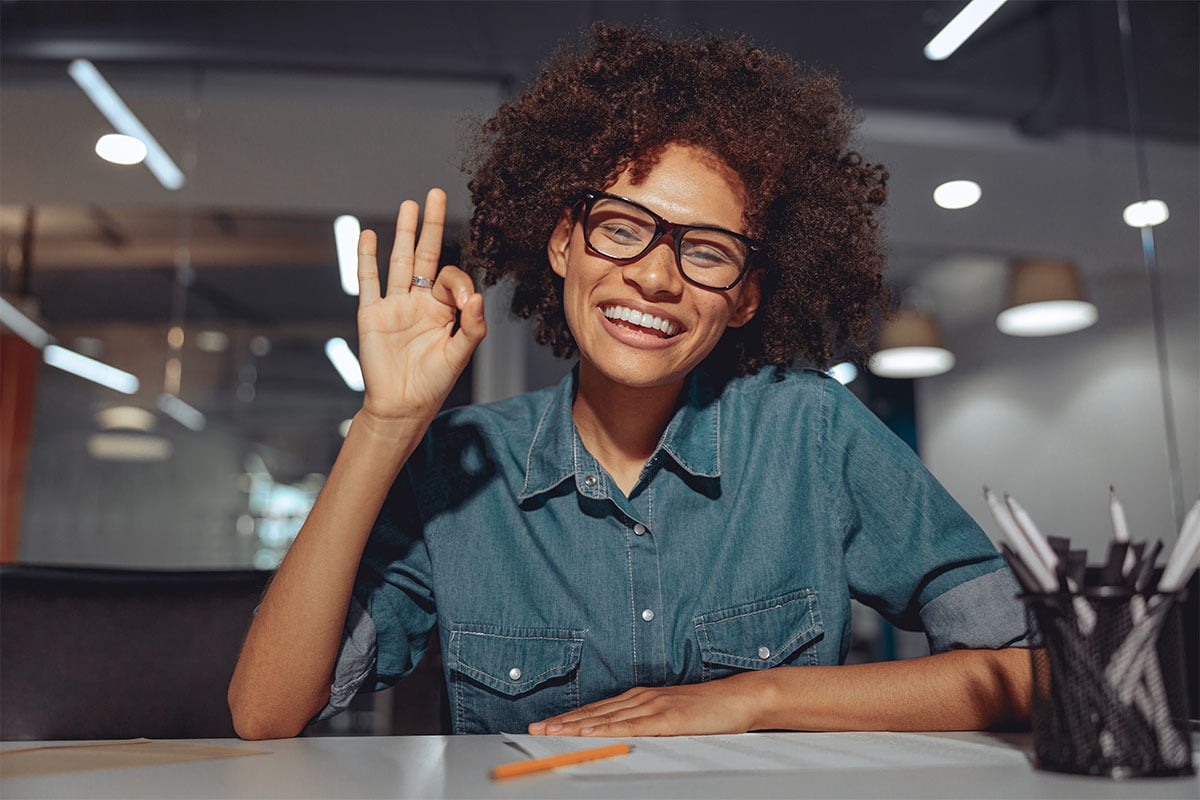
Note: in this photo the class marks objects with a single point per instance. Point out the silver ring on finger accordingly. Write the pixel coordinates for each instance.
(422, 281)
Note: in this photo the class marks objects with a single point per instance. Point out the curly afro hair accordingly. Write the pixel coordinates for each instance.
(614, 106)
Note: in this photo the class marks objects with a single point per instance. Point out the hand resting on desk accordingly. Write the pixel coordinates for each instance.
(957, 690)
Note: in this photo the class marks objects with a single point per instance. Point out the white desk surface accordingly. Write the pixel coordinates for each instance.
(457, 767)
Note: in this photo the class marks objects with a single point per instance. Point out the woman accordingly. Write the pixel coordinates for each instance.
(668, 541)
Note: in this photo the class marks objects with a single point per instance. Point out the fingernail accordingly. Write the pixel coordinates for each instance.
(555, 728)
(586, 731)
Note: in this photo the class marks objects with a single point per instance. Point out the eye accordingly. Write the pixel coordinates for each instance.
(711, 250)
(621, 231)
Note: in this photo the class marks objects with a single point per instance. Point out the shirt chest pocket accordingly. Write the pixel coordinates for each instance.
(760, 635)
(502, 678)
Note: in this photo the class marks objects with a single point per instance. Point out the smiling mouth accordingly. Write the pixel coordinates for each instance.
(641, 321)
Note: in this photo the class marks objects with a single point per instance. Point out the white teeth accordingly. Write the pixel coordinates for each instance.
(642, 320)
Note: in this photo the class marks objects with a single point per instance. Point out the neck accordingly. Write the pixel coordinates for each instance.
(621, 425)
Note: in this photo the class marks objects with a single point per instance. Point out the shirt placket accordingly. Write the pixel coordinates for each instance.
(642, 568)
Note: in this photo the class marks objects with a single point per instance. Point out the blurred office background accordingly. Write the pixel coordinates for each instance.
(220, 295)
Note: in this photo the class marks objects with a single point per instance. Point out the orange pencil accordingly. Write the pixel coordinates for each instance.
(560, 760)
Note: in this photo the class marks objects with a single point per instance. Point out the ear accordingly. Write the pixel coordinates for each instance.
(560, 241)
(749, 296)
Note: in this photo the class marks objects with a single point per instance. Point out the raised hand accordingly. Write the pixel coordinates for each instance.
(410, 348)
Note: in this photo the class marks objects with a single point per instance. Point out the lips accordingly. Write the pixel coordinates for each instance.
(659, 326)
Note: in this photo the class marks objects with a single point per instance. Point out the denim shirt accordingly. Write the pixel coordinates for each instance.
(768, 504)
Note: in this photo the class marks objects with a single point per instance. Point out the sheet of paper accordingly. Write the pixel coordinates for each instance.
(780, 752)
(55, 759)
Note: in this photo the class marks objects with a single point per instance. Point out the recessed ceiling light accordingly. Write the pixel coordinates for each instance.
(117, 148)
(957, 194)
(344, 427)
(1146, 213)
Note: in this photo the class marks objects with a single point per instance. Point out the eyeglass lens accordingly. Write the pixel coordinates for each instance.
(623, 231)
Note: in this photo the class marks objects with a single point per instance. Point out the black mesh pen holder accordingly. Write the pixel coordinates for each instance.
(1109, 682)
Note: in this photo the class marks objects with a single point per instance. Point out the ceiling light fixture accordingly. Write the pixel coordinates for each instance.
(959, 29)
(910, 346)
(129, 418)
(345, 234)
(1146, 213)
(117, 148)
(12, 318)
(90, 368)
(1045, 298)
(844, 372)
(113, 108)
(128, 447)
(181, 412)
(345, 362)
(954, 195)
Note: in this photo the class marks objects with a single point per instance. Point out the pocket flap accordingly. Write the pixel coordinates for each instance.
(513, 660)
(761, 634)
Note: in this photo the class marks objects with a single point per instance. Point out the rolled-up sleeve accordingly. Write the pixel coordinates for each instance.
(982, 612)
(355, 661)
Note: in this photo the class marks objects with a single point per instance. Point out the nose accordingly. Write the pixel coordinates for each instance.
(656, 273)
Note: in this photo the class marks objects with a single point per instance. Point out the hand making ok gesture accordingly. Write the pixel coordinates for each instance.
(410, 346)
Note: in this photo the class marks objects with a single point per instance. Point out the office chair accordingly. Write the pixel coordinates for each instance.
(118, 654)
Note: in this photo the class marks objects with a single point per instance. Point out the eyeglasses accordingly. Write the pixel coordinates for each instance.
(712, 258)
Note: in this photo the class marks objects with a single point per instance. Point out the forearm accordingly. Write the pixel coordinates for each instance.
(283, 674)
(957, 690)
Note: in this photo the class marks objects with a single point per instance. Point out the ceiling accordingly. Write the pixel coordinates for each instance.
(284, 114)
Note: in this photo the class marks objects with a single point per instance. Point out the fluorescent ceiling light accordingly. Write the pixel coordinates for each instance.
(345, 362)
(12, 318)
(911, 362)
(128, 447)
(118, 114)
(1048, 318)
(181, 412)
(345, 233)
(1146, 214)
(93, 370)
(130, 418)
(117, 148)
(844, 372)
(959, 29)
(957, 194)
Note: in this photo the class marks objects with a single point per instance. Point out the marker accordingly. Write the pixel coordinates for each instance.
(532, 765)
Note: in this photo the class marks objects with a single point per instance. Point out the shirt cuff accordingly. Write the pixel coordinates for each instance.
(981, 613)
(355, 661)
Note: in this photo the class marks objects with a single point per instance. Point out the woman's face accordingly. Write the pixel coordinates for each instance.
(688, 186)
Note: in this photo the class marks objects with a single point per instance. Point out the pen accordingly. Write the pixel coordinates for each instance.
(561, 760)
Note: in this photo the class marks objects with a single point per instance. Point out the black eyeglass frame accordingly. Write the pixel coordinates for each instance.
(663, 227)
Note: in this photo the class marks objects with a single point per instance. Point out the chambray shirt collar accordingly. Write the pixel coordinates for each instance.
(692, 439)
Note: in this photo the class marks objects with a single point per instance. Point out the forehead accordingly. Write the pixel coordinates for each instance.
(685, 184)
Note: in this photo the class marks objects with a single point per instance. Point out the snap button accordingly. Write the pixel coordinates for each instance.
(764, 652)
(514, 674)
(639, 529)
(647, 615)
(589, 481)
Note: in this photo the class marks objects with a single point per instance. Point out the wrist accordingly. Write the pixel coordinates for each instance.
(760, 698)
